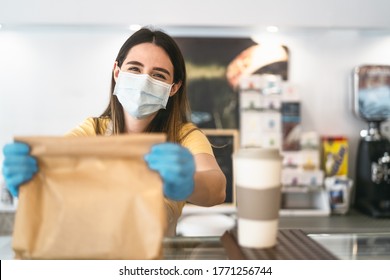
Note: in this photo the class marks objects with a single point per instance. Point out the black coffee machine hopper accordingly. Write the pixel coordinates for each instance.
(371, 99)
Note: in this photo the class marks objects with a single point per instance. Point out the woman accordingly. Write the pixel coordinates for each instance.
(148, 94)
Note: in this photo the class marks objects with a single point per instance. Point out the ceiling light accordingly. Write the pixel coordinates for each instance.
(135, 27)
(272, 29)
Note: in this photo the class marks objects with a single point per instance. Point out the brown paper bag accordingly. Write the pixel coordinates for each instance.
(93, 198)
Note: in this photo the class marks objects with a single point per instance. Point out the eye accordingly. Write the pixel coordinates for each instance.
(134, 69)
(159, 76)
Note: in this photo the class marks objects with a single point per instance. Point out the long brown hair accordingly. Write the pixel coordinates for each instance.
(177, 111)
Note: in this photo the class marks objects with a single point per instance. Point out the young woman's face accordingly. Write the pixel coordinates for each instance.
(147, 58)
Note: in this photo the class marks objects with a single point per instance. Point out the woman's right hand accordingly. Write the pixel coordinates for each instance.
(18, 166)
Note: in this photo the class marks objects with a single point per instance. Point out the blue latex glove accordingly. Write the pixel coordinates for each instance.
(176, 167)
(18, 166)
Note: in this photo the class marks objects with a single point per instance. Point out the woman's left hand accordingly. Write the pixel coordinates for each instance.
(176, 166)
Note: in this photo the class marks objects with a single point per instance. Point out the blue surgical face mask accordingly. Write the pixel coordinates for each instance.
(140, 94)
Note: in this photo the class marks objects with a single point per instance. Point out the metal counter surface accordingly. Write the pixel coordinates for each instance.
(350, 236)
(345, 246)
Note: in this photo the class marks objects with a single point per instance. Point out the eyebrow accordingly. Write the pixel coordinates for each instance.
(154, 68)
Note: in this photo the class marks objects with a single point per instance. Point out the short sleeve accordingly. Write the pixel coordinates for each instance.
(195, 140)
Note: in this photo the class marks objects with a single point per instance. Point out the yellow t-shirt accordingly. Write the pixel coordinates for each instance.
(195, 141)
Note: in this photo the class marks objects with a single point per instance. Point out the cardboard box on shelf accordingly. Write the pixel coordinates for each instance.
(291, 128)
(250, 100)
(271, 140)
(301, 177)
(334, 155)
(291, 159)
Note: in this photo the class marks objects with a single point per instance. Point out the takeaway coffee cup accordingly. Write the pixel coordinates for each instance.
(257, 174)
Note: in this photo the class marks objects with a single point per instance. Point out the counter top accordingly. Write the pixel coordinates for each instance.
(344, 246)
(350, 236)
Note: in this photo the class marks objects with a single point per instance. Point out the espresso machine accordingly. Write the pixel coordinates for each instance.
(371, 97)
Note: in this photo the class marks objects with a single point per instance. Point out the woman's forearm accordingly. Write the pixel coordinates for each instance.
(209, 189)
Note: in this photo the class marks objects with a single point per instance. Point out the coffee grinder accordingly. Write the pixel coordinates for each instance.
(371, 97)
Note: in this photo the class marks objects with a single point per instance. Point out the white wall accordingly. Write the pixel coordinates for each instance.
(51, 80)
(56, 61)
(289, 13)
